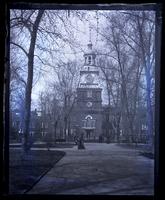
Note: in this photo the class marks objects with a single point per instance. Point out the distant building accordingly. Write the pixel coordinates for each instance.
(16, 124)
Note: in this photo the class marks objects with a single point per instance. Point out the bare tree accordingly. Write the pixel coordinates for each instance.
(23, 20)
(126, 56)
(68, 79)
(50, 114)
(26, 25)
(144, 26)
(111, 77)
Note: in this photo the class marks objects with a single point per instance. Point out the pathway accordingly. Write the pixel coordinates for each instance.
(99, 169)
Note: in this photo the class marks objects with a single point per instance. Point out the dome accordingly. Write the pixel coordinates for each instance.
(89, 49)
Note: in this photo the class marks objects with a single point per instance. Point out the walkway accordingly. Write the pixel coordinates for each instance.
(99, 169)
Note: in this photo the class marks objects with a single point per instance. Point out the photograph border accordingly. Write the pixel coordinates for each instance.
(6, 77)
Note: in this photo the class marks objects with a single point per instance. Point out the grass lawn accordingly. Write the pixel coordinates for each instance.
(25, 172)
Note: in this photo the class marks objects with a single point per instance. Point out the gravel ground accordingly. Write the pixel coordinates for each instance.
(99, 169)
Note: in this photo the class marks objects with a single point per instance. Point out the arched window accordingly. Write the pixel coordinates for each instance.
(89, 122)
(89, 60)
(88, 117)
(85, 59)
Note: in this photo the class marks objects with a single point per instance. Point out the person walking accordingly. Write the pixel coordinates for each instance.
(81, 141)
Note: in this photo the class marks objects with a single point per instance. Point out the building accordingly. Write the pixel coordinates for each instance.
(87, 113)
(16, 124)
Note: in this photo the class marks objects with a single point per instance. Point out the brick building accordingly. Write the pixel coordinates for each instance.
(87, 113)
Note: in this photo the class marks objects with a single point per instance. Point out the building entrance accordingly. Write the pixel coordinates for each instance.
(89, 126)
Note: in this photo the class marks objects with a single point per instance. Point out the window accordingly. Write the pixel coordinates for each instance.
(84, 123)
(85, 59)
(89, 93)
(92, 123)
(89, 122)
(89, 60)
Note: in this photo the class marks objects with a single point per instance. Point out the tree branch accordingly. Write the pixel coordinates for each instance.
(20, 48)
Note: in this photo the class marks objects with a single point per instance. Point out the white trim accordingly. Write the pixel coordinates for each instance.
(88, 116)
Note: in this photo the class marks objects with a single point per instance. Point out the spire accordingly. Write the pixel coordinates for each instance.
(90, 34)
(90, 42)
(89, 54)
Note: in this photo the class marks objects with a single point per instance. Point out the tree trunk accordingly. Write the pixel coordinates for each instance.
(69, 131)
(146, 62)
(65, 126)
(128, 127)
(30, 81)
(149, 108)
(55, 130)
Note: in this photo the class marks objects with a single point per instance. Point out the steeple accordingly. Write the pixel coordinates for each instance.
(89, 107)
(90, 46)
(90, 72)
(89, 54)
(90, 42)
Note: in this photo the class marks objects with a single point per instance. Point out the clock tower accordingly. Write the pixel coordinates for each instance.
(89, 102)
